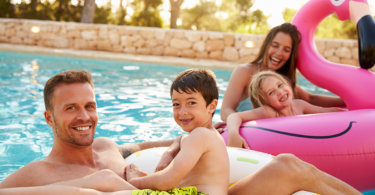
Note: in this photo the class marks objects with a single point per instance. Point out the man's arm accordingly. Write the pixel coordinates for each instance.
(169, 154)
(128, 149)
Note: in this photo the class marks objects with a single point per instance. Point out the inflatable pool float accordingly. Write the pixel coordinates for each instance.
(242, 162)
(342, 143)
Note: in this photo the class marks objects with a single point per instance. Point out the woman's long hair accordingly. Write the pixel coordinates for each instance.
(289, 68)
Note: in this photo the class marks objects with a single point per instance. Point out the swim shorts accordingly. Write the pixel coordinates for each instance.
(175, 191)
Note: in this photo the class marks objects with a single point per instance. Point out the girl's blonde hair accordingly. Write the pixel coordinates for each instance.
(257, 96)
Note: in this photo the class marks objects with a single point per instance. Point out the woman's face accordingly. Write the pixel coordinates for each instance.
(279, 51)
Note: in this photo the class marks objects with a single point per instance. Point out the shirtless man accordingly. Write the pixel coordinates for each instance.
(71, 112)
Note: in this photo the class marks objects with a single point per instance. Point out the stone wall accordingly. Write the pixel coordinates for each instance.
(155, 41)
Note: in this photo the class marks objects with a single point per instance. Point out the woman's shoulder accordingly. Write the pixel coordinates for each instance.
(246, 69)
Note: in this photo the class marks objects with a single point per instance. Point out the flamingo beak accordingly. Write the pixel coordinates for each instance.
(366, 41)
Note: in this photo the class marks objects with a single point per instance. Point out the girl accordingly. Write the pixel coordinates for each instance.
(272, 96)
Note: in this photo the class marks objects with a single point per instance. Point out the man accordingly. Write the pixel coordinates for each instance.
(71, 112)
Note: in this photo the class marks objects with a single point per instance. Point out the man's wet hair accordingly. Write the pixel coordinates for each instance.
(67, 77)
(197, 80)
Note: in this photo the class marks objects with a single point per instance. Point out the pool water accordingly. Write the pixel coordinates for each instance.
(133, 102)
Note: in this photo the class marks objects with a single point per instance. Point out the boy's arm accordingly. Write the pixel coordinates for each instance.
(128, 149)
(236, 119)
(311, 109)
(194, 146)
(169, 154)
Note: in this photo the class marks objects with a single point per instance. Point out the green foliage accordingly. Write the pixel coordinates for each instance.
(331, 27)
(146, 13)
(201, 17)
(6, 9)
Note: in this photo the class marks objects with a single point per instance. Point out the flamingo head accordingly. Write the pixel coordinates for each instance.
(358, 11)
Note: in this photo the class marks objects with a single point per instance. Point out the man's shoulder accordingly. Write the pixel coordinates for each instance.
(103, 143)
(28, 175)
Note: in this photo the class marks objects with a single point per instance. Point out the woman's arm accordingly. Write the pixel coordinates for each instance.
(319, 100)
(238, 82)
(236, 119)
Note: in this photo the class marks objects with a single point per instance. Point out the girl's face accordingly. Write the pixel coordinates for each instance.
(277, 94)
(279, 51)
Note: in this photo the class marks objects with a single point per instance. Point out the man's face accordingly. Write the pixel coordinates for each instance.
(74, 115)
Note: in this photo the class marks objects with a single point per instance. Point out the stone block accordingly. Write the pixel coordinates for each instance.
(147, 33)
(216, 55)
(144, 51)
(333, 44)
(230, 54)
(114, 37)
(117, 48)
(180, 44)
(28, 41)
(104, 44)
(189, 53)
(21, 34)
(333, 59)
(329, 53)
(170, 51)
(136, 38)
(160, 34)
(62, 42)
(201, 55)
(238, 44)
(92, 44)
(10, 32)
(228, 40)
(179, 34)
(216, 35)
(131, 31)
(46, 43)
(51, 36)
(103, 33)
(248, 51)
(152, 43)
(80, 44)
(89, 34)
(320, 46)
(193, 36)
(15, 40)
(246, 59)
(348, 43)
(122, 30)
(349, 61)
(4, 39)
(131, 50)
(199, 46)
(73, 34)
(70, 27)
(168, 38)
(158, 51)
(205, 36)
(140, 43)
(214, 45)
(2, 29)
(126, 41)
(355, 53)
(343, 52)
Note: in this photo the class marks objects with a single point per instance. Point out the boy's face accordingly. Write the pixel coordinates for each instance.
(190, 110)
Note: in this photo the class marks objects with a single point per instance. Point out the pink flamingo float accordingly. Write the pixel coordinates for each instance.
(342, 143)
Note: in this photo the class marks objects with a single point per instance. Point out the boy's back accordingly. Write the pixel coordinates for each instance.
(211, 172)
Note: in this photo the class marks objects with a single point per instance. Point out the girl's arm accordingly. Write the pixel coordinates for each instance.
(239, 79)
(311, 109)
(236, 119)
(319, 100)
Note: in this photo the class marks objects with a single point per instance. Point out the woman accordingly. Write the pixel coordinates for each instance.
(278, 53)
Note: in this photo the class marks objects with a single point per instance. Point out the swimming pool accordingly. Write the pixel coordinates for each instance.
(133, 102)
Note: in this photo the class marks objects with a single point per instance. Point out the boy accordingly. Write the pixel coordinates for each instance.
(202, 161)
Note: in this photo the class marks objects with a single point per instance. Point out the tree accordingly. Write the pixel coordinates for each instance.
(175, 9)
(146, 13)
(201, 16)
(88, 11)
(331, 27)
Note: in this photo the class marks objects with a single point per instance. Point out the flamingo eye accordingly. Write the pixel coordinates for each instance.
(337, 2)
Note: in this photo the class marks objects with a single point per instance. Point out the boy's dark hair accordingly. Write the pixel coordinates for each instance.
(68, 77)
(197, 80)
